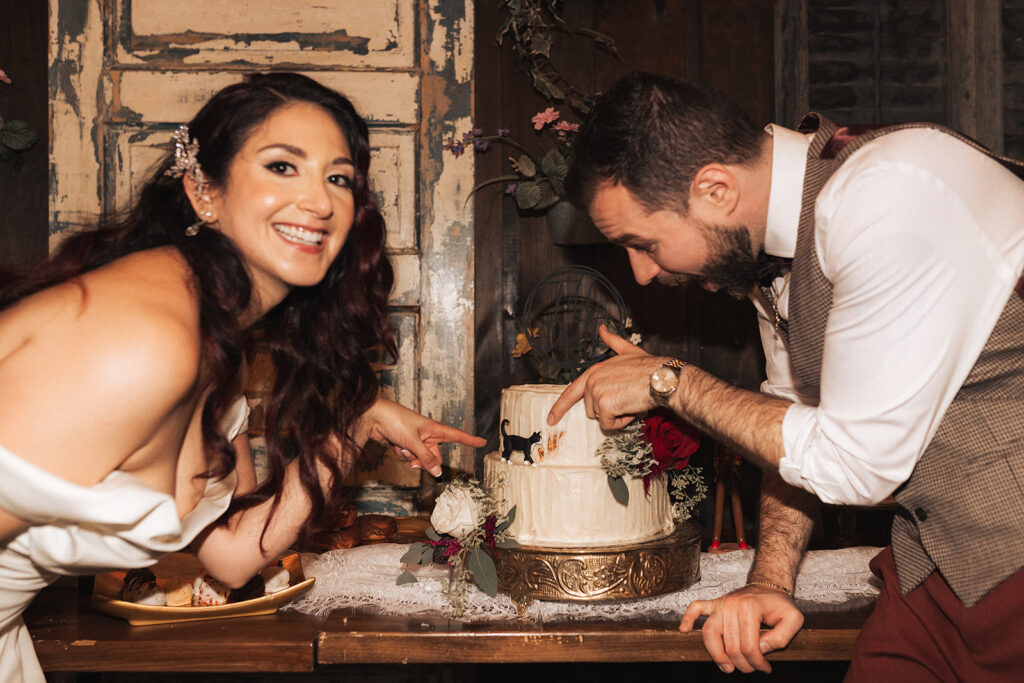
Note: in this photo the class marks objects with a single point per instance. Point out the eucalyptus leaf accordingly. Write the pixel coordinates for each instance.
(428, 554)
(509, 518)
(619, 489)
(507, 544)
(18, 135)
(404, 578)
(431, 534)
(485, 574)
(413, 554)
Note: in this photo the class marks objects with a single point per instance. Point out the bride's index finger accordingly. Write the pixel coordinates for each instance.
(572, 394)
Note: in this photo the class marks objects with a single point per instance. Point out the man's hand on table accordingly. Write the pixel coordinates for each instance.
(732, 631)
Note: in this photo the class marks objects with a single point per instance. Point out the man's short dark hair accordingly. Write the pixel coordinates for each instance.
(651, 134)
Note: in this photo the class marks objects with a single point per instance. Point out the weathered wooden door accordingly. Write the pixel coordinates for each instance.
(125, 73)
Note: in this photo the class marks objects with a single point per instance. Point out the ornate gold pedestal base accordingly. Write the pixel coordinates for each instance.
(596, 574)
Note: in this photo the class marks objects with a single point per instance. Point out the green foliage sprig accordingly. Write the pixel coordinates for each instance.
(467, 550)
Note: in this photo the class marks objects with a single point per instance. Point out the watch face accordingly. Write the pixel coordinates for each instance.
(664, 380)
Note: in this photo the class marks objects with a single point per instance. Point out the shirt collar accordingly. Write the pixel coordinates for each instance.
(789, 160)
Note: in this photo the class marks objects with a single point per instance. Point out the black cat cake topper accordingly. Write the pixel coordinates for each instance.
(514, 443)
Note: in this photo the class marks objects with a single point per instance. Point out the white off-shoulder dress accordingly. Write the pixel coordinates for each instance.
(117, 524)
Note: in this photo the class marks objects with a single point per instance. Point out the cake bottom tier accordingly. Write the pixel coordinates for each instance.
(573, 507)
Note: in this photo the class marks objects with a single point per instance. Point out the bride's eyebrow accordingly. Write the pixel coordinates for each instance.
(301, 153)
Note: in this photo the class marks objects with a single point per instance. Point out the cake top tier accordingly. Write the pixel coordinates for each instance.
(571, 442)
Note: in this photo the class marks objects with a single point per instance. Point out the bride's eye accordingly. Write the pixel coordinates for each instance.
(280, 167)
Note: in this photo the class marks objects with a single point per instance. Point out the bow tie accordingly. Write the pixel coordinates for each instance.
(771, 267)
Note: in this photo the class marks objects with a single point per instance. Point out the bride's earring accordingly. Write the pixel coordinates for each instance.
(205, 218)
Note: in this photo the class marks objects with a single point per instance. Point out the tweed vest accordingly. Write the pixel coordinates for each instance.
(962, 509)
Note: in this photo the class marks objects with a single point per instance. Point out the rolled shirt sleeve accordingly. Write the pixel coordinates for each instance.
(922, 262)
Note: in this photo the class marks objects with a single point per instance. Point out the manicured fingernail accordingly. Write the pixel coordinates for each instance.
(726, 669)
(406, 453)
(414, 465)
(436, 471)
(765, 647)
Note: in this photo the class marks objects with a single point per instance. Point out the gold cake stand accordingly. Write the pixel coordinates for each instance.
(623, 572)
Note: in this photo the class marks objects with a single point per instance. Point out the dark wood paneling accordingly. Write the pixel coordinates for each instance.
(23, 180)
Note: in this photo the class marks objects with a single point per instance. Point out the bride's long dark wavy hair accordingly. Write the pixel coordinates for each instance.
(318, 336)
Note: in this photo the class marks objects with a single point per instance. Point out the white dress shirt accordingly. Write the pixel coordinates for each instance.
(922, 239)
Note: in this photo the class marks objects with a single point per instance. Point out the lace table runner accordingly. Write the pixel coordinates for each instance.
(364, 578)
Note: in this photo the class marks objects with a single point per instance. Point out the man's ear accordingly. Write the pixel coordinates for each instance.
(715, 188)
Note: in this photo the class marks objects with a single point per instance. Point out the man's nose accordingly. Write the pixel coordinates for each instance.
(644, 267)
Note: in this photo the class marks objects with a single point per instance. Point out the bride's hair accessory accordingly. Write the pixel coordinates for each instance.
(186, 160)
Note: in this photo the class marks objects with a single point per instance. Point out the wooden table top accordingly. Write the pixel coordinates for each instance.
(69, 635)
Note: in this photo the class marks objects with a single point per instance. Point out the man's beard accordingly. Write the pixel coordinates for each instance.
(732, 265)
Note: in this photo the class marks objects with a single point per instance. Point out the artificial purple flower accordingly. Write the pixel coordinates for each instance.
(454, 146)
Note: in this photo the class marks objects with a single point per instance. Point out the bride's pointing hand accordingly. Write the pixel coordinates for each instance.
(415, 438)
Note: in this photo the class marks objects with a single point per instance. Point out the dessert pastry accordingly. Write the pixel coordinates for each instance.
(208, 591)
(140, 586)
(336, 538)
(275, 579)
(179, 591)
(377, 528)
(347, 517)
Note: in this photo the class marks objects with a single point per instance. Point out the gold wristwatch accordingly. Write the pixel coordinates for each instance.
(665, 381)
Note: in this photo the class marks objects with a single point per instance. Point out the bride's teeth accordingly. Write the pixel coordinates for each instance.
(300, 235)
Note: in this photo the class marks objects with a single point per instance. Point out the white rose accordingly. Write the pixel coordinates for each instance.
(455, 513)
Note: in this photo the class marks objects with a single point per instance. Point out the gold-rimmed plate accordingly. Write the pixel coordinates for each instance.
(106, 595)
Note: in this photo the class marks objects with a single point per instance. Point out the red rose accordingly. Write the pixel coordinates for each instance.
(672, 441)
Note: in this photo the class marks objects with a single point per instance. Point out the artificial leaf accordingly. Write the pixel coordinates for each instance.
(18, 135)
(507, 544)
(619, 489)
(405, 577)
(484, 572)
(540, 44)
(528, 194)
(557, 185)
(526, 166)
(553, 162)
(431, 534)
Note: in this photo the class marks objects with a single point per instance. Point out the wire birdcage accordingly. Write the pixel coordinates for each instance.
(562, 315)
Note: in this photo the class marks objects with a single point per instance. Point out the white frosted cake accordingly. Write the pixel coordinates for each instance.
(563, 498)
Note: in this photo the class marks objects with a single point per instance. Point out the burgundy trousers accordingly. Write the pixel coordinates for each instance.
(929, 635)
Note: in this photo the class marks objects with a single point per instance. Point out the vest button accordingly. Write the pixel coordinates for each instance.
(921, 514)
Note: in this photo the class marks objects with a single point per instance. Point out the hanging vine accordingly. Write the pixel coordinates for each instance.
(531, 25)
